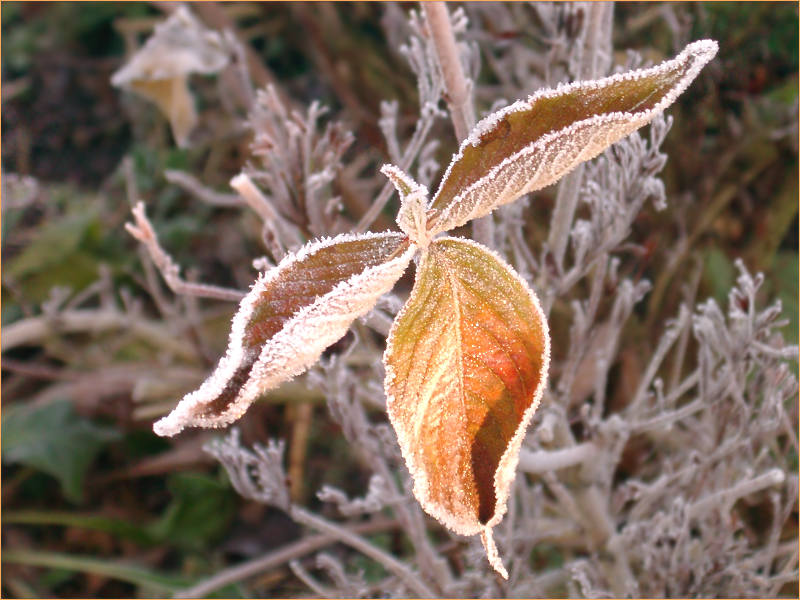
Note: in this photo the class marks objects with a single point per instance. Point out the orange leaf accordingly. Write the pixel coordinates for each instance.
(533, 143)
(466, 363)
(291, 314)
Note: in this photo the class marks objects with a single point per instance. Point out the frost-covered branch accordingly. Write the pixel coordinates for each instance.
(143, 231)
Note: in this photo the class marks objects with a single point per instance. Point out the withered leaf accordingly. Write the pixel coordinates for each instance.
(159, 71)
(466, 363)
(533, 143)
(291, 314)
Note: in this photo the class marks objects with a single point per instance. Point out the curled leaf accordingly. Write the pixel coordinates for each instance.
(466, 363)
(533, 143)
(413, 201)
(159, 71)
(291, 314)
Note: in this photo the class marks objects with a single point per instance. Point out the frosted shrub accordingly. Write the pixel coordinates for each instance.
(468, 354)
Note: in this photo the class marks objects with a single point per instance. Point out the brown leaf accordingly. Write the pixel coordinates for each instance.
(288, 318)
(466, 363)
(160, 70)
(533, 143)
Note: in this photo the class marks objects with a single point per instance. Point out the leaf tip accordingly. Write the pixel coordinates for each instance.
(167, 426)
(401, 180)
(491, 552)
(703, 50)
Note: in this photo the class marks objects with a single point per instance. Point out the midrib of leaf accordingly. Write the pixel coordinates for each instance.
(405, 376)
(455, 285)
(459, 348)
(425, 262)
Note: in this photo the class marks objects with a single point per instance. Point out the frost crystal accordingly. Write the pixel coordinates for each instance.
(247, 371)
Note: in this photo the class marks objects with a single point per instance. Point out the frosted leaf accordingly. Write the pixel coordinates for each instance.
(466, 364)
(159, 71)
(533, 143)
(291, 314)
(413, 198)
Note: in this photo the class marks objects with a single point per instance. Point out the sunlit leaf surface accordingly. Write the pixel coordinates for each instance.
(533, 143)
(289, 317)
(466, 363)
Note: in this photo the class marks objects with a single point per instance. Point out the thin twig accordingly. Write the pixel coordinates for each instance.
(726, 498)
(284, 235)
(143, 231)
(192, 185)
(595, 60)
(542, 461)
(276, 559)
(412, 150)
(301, 417)
(389, 562)
(34, 329)
(459, 98)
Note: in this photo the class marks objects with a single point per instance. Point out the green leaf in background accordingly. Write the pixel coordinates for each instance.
(720, 274)
(52, 438)
(200, 511)
(60, 253)
(152, 583)
(53, 241)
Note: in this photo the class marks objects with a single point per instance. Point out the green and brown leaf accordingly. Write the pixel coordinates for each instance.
(466, 363)
(289, 317)
(533, 143)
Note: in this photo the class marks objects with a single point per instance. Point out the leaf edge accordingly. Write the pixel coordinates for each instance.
(181, 416)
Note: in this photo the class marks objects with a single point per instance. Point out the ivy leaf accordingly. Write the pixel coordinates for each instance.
(199, 513)
(533, 143)
(466, 363)
(55, 440)
(291, 314)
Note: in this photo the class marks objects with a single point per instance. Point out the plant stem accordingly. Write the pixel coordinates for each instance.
(143, 231)
(353, 540)
(595, 61)
(275, 559)
(726, 498)
(34, 329)
(459, 98)
(545, 460)
(462, 111)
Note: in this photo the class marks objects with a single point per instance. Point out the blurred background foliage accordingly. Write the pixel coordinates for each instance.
(93, 503)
